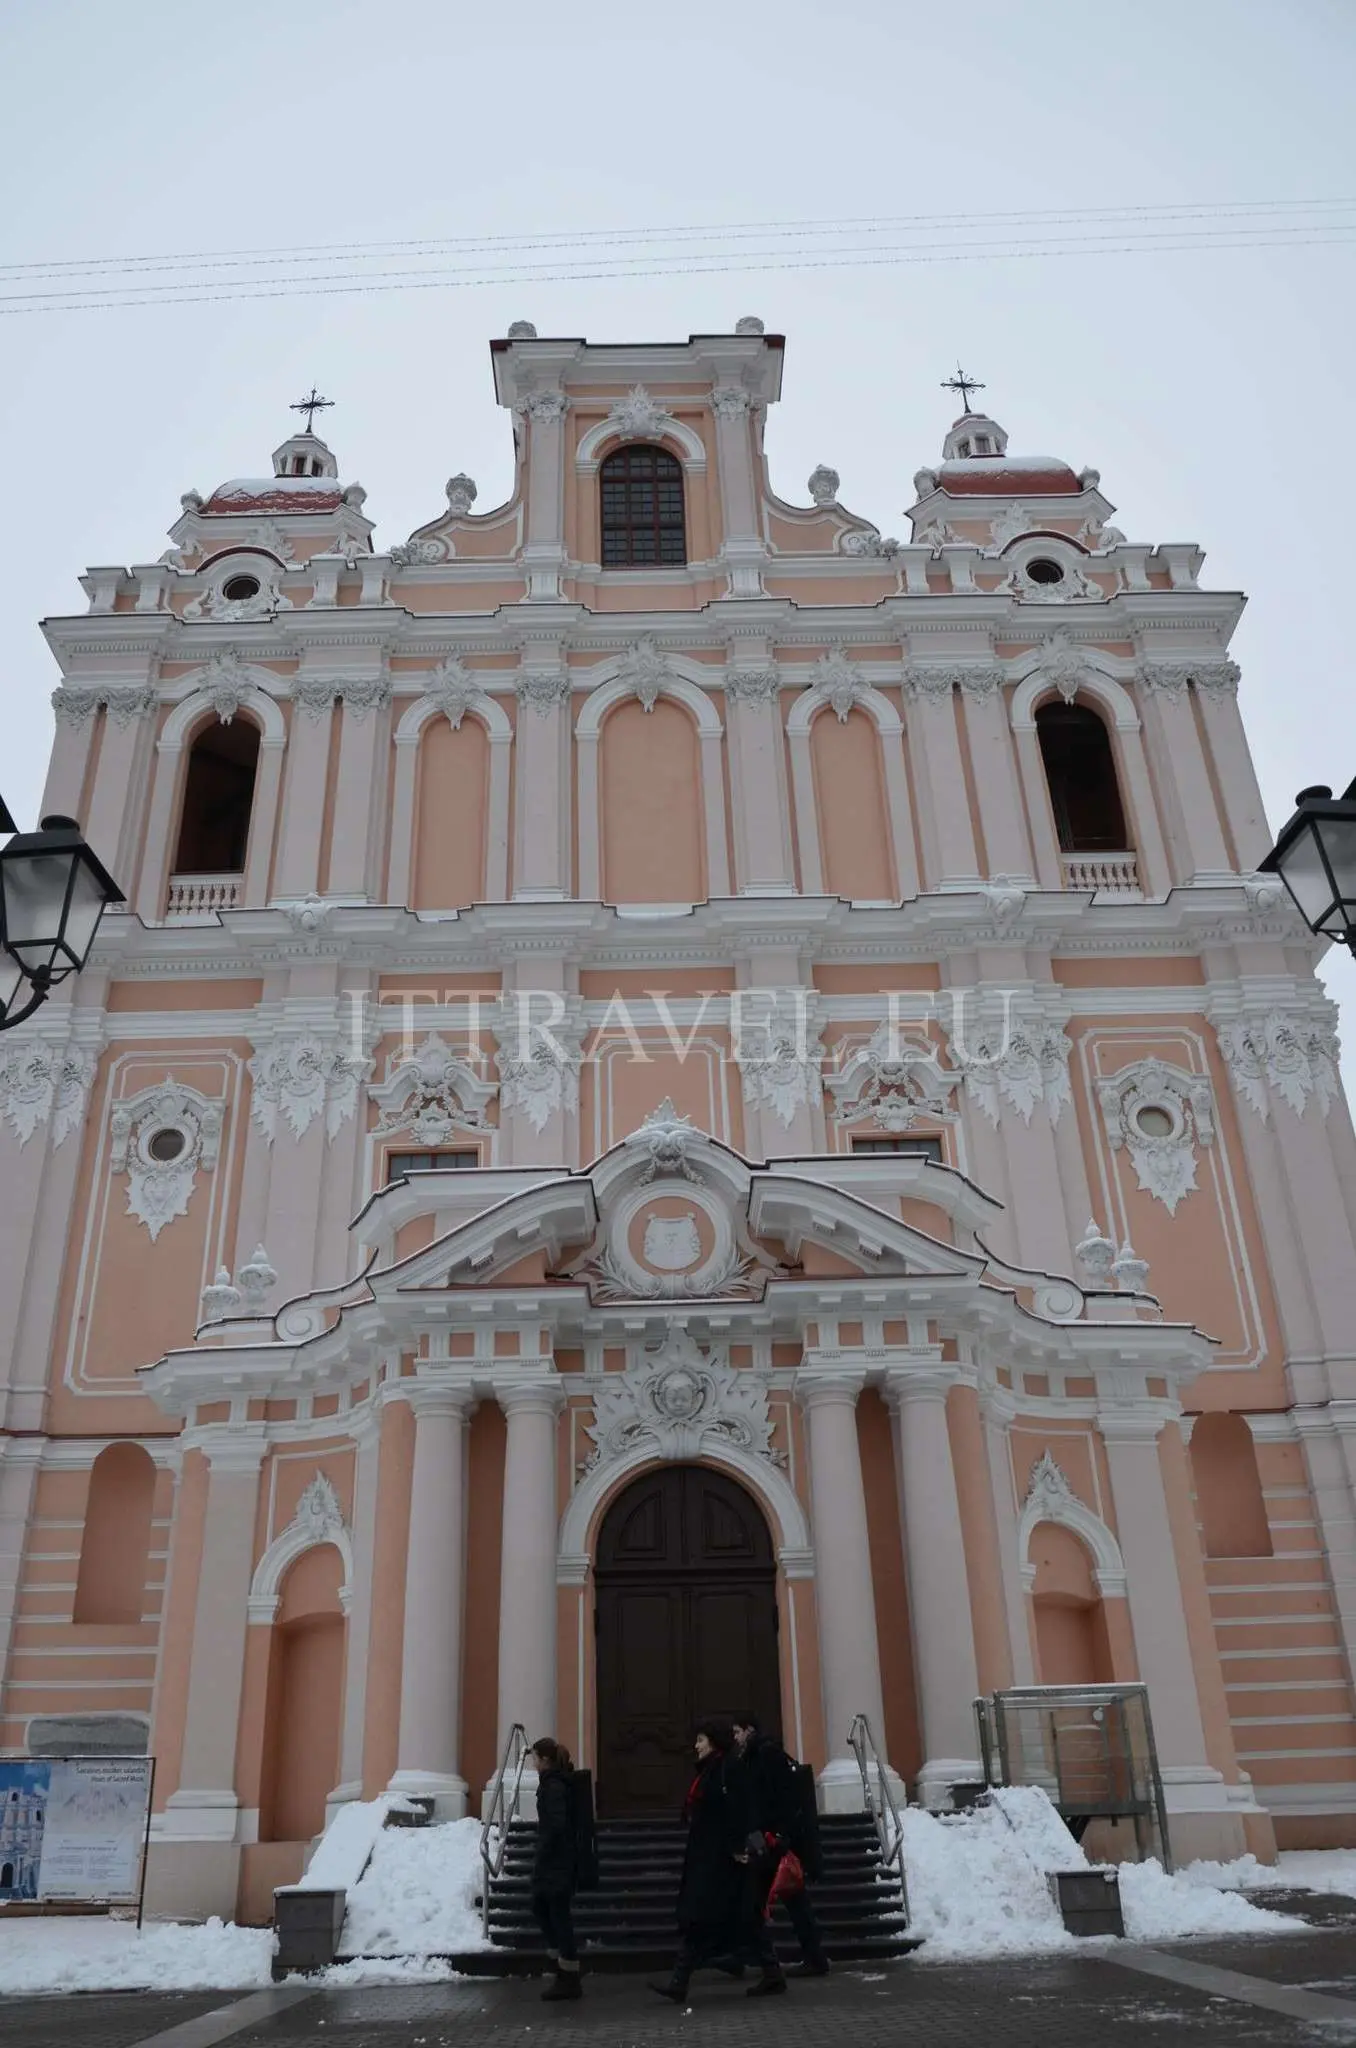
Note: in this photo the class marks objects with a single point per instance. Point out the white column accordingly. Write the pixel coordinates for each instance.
(304, 801)
(435, 1595)
(20, 1460)
(359, 1616)
(1185, 782)
(544, 543)
(849, 1652)
(758, 795)
(939, 778)
(939, 1589)
(1157, 1613)
(531, 1398)
(1006, 844)
(363, 740)
(205, 1805)
(1235, 773)
(542, 810)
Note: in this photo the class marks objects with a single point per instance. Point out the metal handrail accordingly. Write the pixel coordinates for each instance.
(880, 1803)
(495, 1832)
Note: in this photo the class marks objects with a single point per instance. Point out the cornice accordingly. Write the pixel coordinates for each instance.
(488, 937)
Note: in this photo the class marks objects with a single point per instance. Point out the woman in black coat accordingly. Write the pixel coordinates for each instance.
(555, 1864)
(714, 1861)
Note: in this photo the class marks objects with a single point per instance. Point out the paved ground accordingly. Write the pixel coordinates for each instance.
(1298, 1989)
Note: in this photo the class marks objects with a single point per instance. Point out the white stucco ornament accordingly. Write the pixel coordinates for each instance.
(159, 1138)
(319, 1515)
(451, 686)
(431, 1093)
(1159, 1114)
(637, 417)
(674, 1400)
(1293, 1054)
(1013, 1061)
(644, 671)
(672, 1243)
(538, 1067)
(668, 1141)
(227, 682)
(823, 485)
(897, 1081)
(1064, 663)
(299, 1074)
(780, 1056)
(839, 681)
(38, 1081)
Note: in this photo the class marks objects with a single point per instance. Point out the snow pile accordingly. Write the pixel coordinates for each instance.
(977, 1884)
(1305, 1870)
(69, 1954)
(341, 1855)
(417, 1895)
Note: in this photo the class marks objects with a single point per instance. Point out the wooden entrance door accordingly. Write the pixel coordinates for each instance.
(686, 1624)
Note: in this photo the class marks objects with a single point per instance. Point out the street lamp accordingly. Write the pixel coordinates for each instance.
(1315, 857)
(53, 891)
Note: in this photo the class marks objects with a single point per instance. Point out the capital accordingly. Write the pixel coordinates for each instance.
(535, 1393)
(436, 1398)
(910, 1385)
(832, 1386)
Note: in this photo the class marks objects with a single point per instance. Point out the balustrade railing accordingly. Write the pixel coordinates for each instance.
(880, 1803)
(499, 1814)
(202, 896)
(1115, 874)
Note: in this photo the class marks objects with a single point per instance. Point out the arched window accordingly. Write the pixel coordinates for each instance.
(1080, 770)
(643, 526)
(110, 1585)
(1229, 1503)
(214, 827)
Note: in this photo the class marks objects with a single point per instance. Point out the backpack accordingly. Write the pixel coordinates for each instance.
(805, 1834)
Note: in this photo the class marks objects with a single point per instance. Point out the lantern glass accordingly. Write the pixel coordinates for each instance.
(1337, 837)
(1305, 874)
(53, 892)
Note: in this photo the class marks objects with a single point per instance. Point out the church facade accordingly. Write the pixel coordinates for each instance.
(693, 1106)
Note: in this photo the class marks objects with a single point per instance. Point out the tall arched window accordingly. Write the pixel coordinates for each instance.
(110, 1585)
(1080, 770)
(214, 826)
(1229, 1504)
(641, 502)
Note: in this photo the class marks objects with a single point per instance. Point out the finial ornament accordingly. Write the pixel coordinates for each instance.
(965, 385)
(311, 405)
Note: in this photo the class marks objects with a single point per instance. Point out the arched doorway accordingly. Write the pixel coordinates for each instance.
(686, 1625)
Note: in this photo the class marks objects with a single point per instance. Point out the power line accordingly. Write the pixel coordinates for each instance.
(318, 252)
(374, 283)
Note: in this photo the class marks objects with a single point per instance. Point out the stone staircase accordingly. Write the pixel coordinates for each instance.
(628, 1923)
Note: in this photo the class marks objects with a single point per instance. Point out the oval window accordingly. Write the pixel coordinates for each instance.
(1043, 570)
(238, 589)
(167, 1145)
(1155, 1121)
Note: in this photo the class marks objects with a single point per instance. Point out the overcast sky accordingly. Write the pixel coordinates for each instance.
(1209, 388)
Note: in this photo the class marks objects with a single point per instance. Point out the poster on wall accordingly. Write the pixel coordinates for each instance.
(73, 1828)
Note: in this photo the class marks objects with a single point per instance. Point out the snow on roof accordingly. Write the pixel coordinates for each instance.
(256, 486)
(995, 475)
(276, 494)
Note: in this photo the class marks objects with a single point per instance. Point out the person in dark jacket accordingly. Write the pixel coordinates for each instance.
(715, 1860)
(555, 1864)
(775, 1819)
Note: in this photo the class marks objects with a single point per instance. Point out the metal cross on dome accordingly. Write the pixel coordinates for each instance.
(965, 385)
(315, 403)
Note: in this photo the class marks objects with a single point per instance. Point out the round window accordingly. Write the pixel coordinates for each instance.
(237, 589)
(1043, 570)
(166, 1146)
(1154, 1121)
